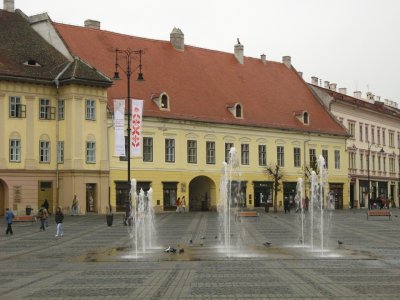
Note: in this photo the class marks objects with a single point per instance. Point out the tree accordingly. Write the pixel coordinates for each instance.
(276, 173)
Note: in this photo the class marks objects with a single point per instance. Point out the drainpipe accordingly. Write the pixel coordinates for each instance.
(57, 83)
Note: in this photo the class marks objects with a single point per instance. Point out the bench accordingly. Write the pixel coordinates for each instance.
(246, 214)
(24, 219)
(379, 213)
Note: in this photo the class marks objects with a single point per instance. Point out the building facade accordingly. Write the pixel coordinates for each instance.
(374, 144)
(52, 113)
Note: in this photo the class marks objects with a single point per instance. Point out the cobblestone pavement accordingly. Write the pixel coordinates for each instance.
(94, 261)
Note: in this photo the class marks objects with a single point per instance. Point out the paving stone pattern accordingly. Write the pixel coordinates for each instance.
(94, 261)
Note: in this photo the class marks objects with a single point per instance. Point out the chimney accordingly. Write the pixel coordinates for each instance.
(343, 91)
(370, 96)
(357, 94)
(314, 80)
(9, 5)
(332, 87)
(377, 98)
(300, 74)
(326, 84)
(239, 51)
(263, 58)
(92, 24)
(177, 39)
(287, 61)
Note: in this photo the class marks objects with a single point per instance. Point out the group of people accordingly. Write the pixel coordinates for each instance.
(381, 202)
(180, 204)
(42, 215)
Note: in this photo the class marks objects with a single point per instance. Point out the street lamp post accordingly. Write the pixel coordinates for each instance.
(128, 55)
(369, 179)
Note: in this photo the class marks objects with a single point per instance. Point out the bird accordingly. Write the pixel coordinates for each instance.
(216, 236)
(181, 250)
(267, 244)
(238, 41)
(340, 242)
(191, 241)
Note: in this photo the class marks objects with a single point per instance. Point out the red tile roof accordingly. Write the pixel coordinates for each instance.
(201, 83)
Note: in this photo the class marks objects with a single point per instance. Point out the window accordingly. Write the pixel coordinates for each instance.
(352, 127)
(391, 165)
(262, 155)
(361, 132)
(352, 160)
(313, 158)
(91, 152)
(305, 118)
(169, 150)
(379, 164)
(325, 156)
(378, 132)
(384, 164)
(391, 139)
(238, 112)
(297, 157)
(60, 152)
(228, 147)
(61, 110)
(366, 133)
(15, 150)
(46, 112)
(147, 149)
(192, 151)
(398, 140)
(164, 101)
(90, 110)
(361, 161)
(280, 151)
(245, 154)
(337, 159)
(373, 163)
(383, 136)
(16, 110)
(44, 151)
(373, 134)
(210, 155)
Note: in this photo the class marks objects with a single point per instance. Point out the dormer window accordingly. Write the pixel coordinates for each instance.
(302, 116)
(32, 63)
(162, 100)
(236, 110)
(305, 118)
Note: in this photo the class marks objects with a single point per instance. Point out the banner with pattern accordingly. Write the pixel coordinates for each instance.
(136, 127)
(119, 134)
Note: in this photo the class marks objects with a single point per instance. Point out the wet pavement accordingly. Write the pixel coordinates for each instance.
(94, 261)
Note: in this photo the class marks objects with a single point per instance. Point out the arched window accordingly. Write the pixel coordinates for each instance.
(164, 101)
(238, 112)
(305, 117)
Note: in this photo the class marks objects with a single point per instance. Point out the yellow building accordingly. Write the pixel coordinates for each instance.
(198, 103)
(52, 120)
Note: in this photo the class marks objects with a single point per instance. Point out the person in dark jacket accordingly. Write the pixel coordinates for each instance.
(9, 220)
(59, 217)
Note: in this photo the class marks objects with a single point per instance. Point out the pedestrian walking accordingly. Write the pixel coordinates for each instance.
(178, 205)
(42, 216)
(9, 218)
(59, 217)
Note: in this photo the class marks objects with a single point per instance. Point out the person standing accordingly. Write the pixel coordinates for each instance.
(59, 217)
(178, 205)
(9, 218)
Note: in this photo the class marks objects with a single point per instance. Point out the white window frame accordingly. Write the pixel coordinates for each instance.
(90, 152)
(15, 150)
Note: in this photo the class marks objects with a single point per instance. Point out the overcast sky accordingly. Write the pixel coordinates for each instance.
(354, 43)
